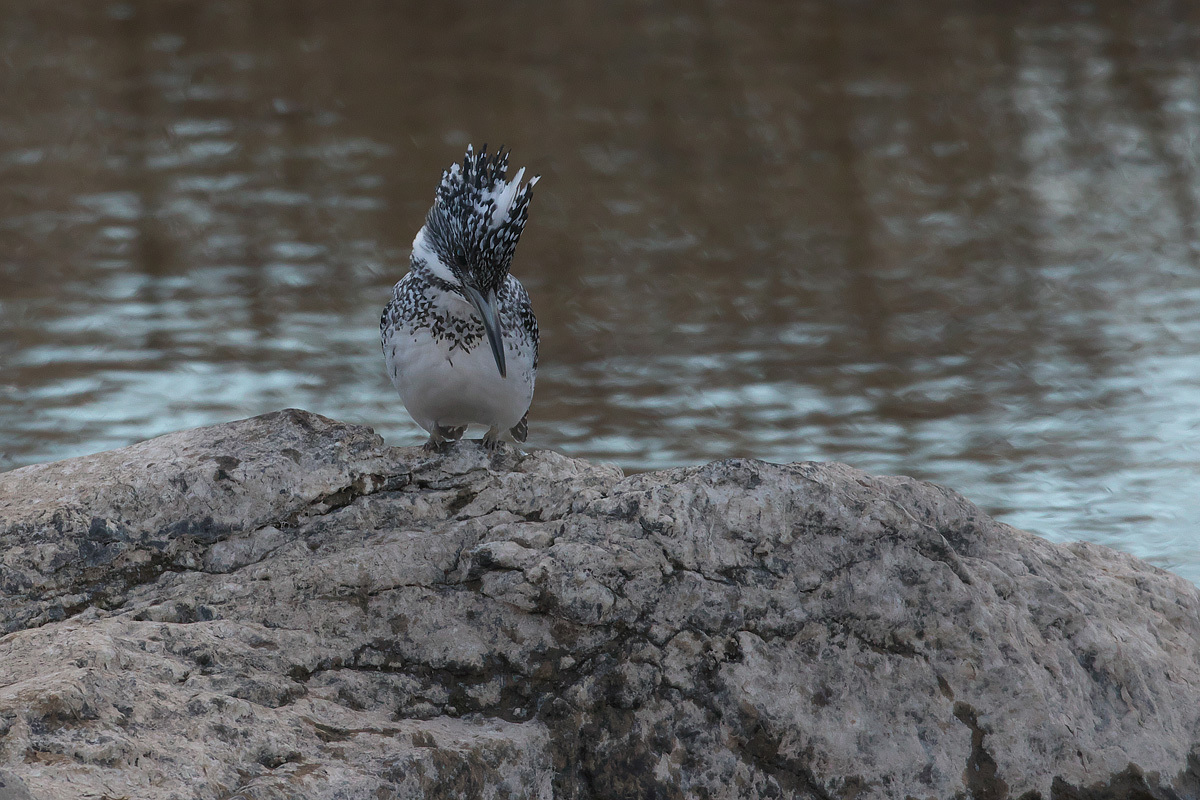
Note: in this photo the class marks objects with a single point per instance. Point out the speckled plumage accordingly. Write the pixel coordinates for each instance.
(436, 345)
(415, 306)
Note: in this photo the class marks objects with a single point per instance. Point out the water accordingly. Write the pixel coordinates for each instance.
(956, 241)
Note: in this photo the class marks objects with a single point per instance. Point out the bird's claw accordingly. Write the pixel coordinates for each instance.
(441, 437)
(491, 441)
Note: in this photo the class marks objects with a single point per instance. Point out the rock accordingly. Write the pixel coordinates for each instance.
(12, 787)
(283, 607)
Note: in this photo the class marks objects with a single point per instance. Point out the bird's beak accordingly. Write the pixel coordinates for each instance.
(486, 306)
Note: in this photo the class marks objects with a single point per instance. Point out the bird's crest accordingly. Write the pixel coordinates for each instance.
(478, 216)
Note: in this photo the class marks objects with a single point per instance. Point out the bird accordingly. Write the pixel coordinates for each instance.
(460, 340)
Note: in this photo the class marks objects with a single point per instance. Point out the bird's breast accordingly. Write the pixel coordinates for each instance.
(446, 374)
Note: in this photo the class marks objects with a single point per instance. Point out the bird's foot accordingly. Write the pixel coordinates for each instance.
(440, 438)
(491, 440)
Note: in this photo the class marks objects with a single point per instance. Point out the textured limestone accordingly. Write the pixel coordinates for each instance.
(282, 607)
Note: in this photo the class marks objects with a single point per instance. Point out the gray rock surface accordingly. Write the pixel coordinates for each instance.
(283, 607)
(12, 787)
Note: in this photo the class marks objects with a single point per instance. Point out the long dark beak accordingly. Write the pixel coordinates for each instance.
(486, 306)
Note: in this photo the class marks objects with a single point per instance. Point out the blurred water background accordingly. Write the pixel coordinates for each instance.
(954, 240)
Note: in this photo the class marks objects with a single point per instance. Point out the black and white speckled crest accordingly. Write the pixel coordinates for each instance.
(477, 218)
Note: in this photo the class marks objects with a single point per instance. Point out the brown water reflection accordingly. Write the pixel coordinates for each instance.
(957, 241)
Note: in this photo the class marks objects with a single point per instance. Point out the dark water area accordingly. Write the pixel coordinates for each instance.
(952, 240)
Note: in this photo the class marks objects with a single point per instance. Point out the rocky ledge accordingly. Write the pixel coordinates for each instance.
(283, 607)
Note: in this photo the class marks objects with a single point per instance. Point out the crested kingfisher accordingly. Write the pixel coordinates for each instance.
(459, 337)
